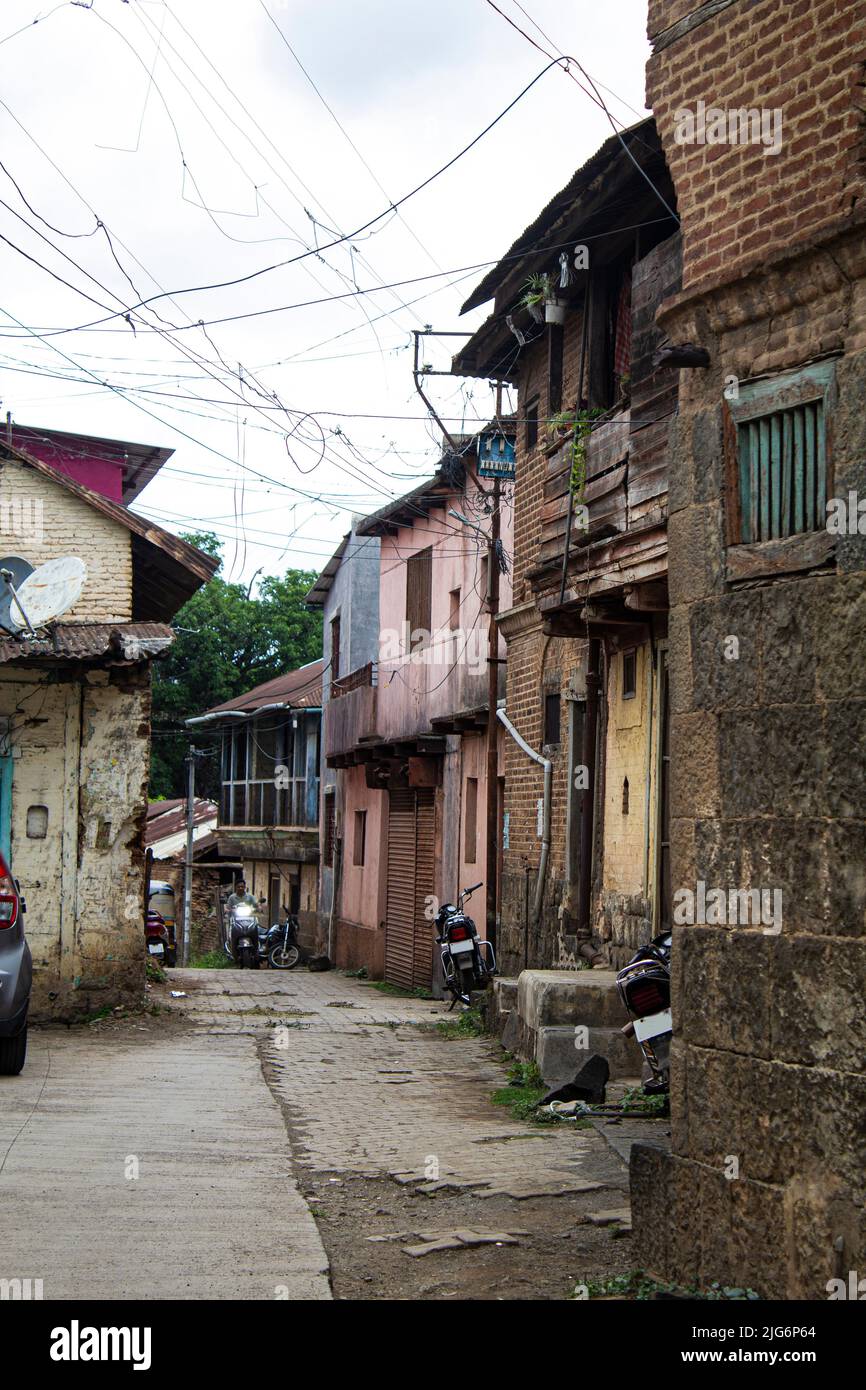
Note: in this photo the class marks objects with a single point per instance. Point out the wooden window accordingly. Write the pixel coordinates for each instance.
(783, 473)
(330, 819)
(629, 675)
(778, 456)
(335, 648)
(531, 424)
(551, 717)
(470, 819)
(359, 843)
(419, 590)
(454, 609)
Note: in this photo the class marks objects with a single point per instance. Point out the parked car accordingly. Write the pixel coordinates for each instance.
(16, 975)
(160, 899)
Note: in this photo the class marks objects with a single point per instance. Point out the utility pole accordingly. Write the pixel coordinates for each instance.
(492, 702)
(187, 868)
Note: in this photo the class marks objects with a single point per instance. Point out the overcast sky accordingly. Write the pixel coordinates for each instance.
(190, 130)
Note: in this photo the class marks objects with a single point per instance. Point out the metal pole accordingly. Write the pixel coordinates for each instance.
(492, 726)
(187, 868)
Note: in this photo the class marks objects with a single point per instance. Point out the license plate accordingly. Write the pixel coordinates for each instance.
(654, 1025)
(458, 946)
(156, 950)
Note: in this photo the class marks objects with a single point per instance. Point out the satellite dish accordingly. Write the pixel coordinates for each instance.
(19, 570)
(49, 591)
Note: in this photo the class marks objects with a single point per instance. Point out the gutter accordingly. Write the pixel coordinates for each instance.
(547, 765)
(250, 713)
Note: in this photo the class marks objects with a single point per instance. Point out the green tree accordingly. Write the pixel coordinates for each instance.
(227, 641)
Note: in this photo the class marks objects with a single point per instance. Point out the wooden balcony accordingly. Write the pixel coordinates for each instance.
(351, 712)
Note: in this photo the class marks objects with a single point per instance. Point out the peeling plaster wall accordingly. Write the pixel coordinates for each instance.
(80, 749)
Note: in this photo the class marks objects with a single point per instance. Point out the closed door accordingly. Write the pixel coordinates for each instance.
(408, 933)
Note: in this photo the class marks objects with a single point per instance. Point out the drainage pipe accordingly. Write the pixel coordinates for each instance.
(547, 765)
(590, 727)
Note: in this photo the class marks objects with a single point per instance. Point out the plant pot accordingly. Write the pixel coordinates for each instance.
(554, 311)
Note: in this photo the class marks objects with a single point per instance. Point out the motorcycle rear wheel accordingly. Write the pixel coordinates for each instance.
(284, 958)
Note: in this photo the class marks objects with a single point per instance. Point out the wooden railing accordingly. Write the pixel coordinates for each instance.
(365, 675)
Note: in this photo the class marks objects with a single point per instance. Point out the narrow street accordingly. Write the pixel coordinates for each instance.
(295, 1135)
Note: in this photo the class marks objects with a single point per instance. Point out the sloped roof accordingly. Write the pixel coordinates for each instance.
(528, 241)
(166, 570)
(123, 642)
(320, 590)
(139, 463)
(165, 818)
(301, 689)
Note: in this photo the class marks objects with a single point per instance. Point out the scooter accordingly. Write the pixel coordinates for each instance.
(156, 938)
(242, 944)
(468, 962)
(644, 987)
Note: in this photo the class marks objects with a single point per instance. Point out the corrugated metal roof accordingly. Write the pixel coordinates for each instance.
(121, 642)
(301, 689)
(172, 818)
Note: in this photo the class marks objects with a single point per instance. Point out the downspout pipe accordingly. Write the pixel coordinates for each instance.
(547, 766)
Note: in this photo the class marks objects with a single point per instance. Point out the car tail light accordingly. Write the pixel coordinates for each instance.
(647, 996)
(9, 900)
(458, 934)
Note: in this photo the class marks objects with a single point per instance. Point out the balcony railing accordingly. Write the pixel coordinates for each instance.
(365, 675)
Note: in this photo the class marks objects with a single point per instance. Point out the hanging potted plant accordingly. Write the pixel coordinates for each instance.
(536, 292)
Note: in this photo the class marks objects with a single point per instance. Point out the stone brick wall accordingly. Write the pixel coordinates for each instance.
(804, 58)
(767, 750)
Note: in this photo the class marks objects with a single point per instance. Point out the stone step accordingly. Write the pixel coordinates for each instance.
(555, 998)
(558, 1059)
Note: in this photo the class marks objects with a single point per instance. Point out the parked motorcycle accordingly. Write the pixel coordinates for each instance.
(644, 987)
(467, 961)
(281, 944)
(242, 943)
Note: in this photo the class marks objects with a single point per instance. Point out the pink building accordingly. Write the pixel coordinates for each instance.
(404, 805)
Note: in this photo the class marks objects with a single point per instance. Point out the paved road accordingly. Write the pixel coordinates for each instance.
(202, 1106)
(214, 1211)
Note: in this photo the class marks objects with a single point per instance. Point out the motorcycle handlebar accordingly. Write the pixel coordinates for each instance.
(468, 891)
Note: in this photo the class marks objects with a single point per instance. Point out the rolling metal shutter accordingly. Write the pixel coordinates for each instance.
(425, 847)
(400, 911)
(411, 848)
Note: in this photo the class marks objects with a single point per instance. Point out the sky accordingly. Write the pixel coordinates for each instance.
(152, 150)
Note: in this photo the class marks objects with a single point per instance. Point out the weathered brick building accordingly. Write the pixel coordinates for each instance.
(587, 630)
(75, 701)
(765, 1186)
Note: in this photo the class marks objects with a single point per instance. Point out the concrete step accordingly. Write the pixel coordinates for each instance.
(552, 998)
(558, 1058)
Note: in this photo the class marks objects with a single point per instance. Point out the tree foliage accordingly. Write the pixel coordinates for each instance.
(226, 642)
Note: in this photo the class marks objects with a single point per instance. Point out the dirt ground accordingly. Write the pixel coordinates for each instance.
(557, 1251)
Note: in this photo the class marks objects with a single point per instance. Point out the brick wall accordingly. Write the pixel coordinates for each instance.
(803, 58)
(767, 750)
(40, 520)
